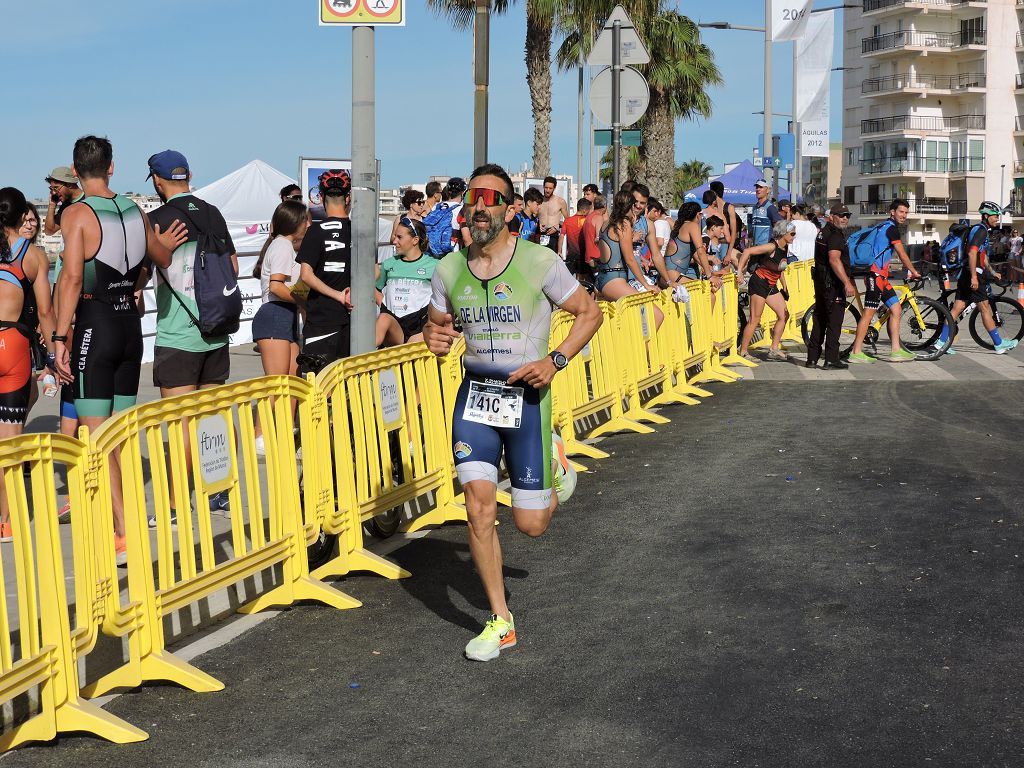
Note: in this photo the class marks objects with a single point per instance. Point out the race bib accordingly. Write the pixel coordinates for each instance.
(496, 405)
(545, 239)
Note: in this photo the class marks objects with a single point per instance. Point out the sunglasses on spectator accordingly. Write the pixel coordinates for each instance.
(293, 197)
(491, 197)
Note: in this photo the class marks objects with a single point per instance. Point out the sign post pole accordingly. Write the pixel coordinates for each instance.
(616, 106)
(364, 191)
(481, 76)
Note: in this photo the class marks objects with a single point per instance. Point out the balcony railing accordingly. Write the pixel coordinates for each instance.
(877, 5)
(908, 165)
(1020, 81)
(1018, 167)
(939, 82)
(1018, 123)
(924, 123)
(927, 205)
(922, 39)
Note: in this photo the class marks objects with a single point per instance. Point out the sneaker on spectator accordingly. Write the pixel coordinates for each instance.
(120, 551)
(151, 519)
(64, 515)
(6, 534)
(220, 502)
(261, 449)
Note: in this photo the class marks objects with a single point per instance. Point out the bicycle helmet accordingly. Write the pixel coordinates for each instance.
(988, 208)
(340, 180)
(455, 187)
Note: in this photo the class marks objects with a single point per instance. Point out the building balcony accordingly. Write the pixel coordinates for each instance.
(916, 166)
(881, 7)
(1018, 125)
(1019, 82)
(920, 124)
(1020, 42)
(920, 41)
(922, 207)
(1018, 167)
(939, 84)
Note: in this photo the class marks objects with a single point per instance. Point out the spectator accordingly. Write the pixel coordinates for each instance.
(685, 250)
(832, 289)
(291, 192)
(590, 192)
(733, 226)
(571, 238)
(592, 226)
(786, 209)
(802, 247)
(433, 194)
(64, 191)
(529, 217)
(512, 220)
(764, 215)
(403, 282)
(30, 226)
(1016, 247)
(415, 204)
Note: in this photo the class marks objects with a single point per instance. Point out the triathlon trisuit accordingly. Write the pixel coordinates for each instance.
(615, 267)
(106, 353)
(682, 260)
(506, 322)
(15, 340)
(406, 289)
(760, 223)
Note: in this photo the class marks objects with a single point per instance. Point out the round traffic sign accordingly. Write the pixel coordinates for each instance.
(634, 96)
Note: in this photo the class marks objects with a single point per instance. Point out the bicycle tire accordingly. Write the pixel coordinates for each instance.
(921, 336)
(851, 318)
(1010, 322)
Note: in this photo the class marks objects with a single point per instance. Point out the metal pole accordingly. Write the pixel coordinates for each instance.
(797, 176)
(616, 118)
(579, 130)
(594, 175)
(1002, 169)
(364, 191)
(481, 72)
(768, 172)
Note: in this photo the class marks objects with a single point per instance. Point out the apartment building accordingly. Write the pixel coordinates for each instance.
(932, 105)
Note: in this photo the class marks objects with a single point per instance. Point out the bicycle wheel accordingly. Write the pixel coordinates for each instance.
(1009, 317)
(920, 330)
(848, 332)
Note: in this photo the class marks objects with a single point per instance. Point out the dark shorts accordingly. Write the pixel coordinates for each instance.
(276, 320)
(410, 324)
(329, 343)
(969, 295)
(180, 368)
(758, 286)
(878, 290)
(106, 359)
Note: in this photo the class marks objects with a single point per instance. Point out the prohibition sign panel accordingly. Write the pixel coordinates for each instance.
(362, 12)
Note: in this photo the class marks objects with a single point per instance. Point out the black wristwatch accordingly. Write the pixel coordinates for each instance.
(560, 360)
(55, 337)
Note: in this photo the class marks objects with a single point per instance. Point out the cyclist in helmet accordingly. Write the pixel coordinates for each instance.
(971, 288)
(325, 260)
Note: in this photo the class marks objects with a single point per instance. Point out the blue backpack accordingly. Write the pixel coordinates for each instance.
(870, 246)
(951, 249)
(438, 224)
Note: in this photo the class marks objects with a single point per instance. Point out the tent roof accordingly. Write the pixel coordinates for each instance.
(248, 194)
(739, 185)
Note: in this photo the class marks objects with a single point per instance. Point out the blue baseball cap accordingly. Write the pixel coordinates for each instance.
(163, 164)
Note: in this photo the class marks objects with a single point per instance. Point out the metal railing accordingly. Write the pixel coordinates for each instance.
(923, 123)
(902, 165)
(940, 82)
(921, 39)
(1018, 123)
(877, 5)
(1020, 81)
(925, 205)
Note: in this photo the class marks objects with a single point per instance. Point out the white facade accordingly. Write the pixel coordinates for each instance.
(931, 105)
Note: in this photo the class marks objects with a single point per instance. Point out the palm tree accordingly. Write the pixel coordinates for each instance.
(687, 176)
(540, 15)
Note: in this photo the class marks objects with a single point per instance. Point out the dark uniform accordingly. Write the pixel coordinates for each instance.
(829, 295)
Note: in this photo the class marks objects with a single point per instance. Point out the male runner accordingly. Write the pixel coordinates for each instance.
(878, 289)
(503, 289)
(553, 211)
(971, 286)
(763, 215)
(106, 240)
(64, 191)
(590, 192)
(325, 257)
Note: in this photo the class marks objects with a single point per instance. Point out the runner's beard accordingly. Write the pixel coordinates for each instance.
(487, 236)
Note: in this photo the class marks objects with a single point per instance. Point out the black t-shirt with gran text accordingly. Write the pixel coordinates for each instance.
(327, 248)
(830, 238)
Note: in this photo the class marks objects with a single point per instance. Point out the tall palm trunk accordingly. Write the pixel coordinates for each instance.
(538, 78)
(658, 151)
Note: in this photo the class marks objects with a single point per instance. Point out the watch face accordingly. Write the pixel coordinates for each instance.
(559, 360)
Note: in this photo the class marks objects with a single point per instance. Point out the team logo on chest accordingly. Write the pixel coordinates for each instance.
(503, 291)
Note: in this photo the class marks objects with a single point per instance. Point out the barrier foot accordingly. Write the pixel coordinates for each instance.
(363, 560)
(671, 396)
(577, 466)
(83, 716)
(576, 447)
(686, 388)
(451, 513)
(734, 359)
(715, 374)
(161, 666)
(621, 424)
(305, 588)
(639, 414)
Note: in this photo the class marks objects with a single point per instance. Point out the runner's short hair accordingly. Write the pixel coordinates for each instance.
(583, 205)
(533, 195)
(92, 157)
(717, 187)
(600, 203)
(551, 180)
(897, 203)
(709, 196)
(714, 221)
(591, 188)
(516, 197)
(288, 190)
(433, 188)
(643, 189)
(492, 169)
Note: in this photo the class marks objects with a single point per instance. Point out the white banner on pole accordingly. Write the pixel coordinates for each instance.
(814, 67)
(814, 138)
(789, 18)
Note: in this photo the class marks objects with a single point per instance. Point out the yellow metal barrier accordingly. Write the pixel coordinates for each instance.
(687, 350)
(48, 648)
(801, 298)
(727, 307)
(702, 330)
(266, 525)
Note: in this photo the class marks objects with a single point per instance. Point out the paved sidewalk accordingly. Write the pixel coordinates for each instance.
(762, 582)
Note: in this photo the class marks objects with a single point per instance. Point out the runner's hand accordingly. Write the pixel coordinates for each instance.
(913, 274)
(63, 362)
(974, 281)
(439, 338)
(537, 374)
(175, 235)
(850, 291)
(345, 297)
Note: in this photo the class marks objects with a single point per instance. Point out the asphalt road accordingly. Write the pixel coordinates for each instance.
(790, 574)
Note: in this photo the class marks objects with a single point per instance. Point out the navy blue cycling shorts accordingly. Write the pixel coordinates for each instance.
(527, 448)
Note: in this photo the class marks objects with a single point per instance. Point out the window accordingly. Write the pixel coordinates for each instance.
(972, 31)
(849, 195)
(976, 158)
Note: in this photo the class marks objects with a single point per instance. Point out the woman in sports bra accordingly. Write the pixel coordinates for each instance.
(685, 252)
(771, 260)
(24, 304)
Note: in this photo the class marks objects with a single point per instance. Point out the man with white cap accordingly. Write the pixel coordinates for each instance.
(763, 215)
(64, 191)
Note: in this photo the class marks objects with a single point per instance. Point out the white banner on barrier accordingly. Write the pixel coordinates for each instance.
(788, 19)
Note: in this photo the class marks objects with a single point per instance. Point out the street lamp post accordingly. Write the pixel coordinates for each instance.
(481, 73)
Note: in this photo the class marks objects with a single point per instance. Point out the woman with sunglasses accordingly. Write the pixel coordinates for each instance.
(415, 204)
(403, 282)
(771, 259)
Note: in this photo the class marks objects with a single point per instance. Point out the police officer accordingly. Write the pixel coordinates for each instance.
(832, 288)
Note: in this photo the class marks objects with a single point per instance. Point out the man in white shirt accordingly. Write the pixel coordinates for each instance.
(802, 247)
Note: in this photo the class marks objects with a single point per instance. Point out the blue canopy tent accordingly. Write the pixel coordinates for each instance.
(739, 185)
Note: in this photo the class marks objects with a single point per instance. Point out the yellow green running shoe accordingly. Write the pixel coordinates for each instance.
(498, 634)
(860, 357)
(563, 476)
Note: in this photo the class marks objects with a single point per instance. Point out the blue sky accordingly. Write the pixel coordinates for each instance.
(232, 80)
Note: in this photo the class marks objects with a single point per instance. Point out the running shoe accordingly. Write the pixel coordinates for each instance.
(1005, 346)
(151, 519)
(6, 534)
(901, 356)
(498, 634)
(220, 502)
(860, 357)
(936, 349)
(261, 449)
(563, 475)
(120, 551)
(64, 515)
(747, 356)
(777, 354)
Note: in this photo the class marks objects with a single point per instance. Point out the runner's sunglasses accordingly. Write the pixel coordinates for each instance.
(489, 196)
